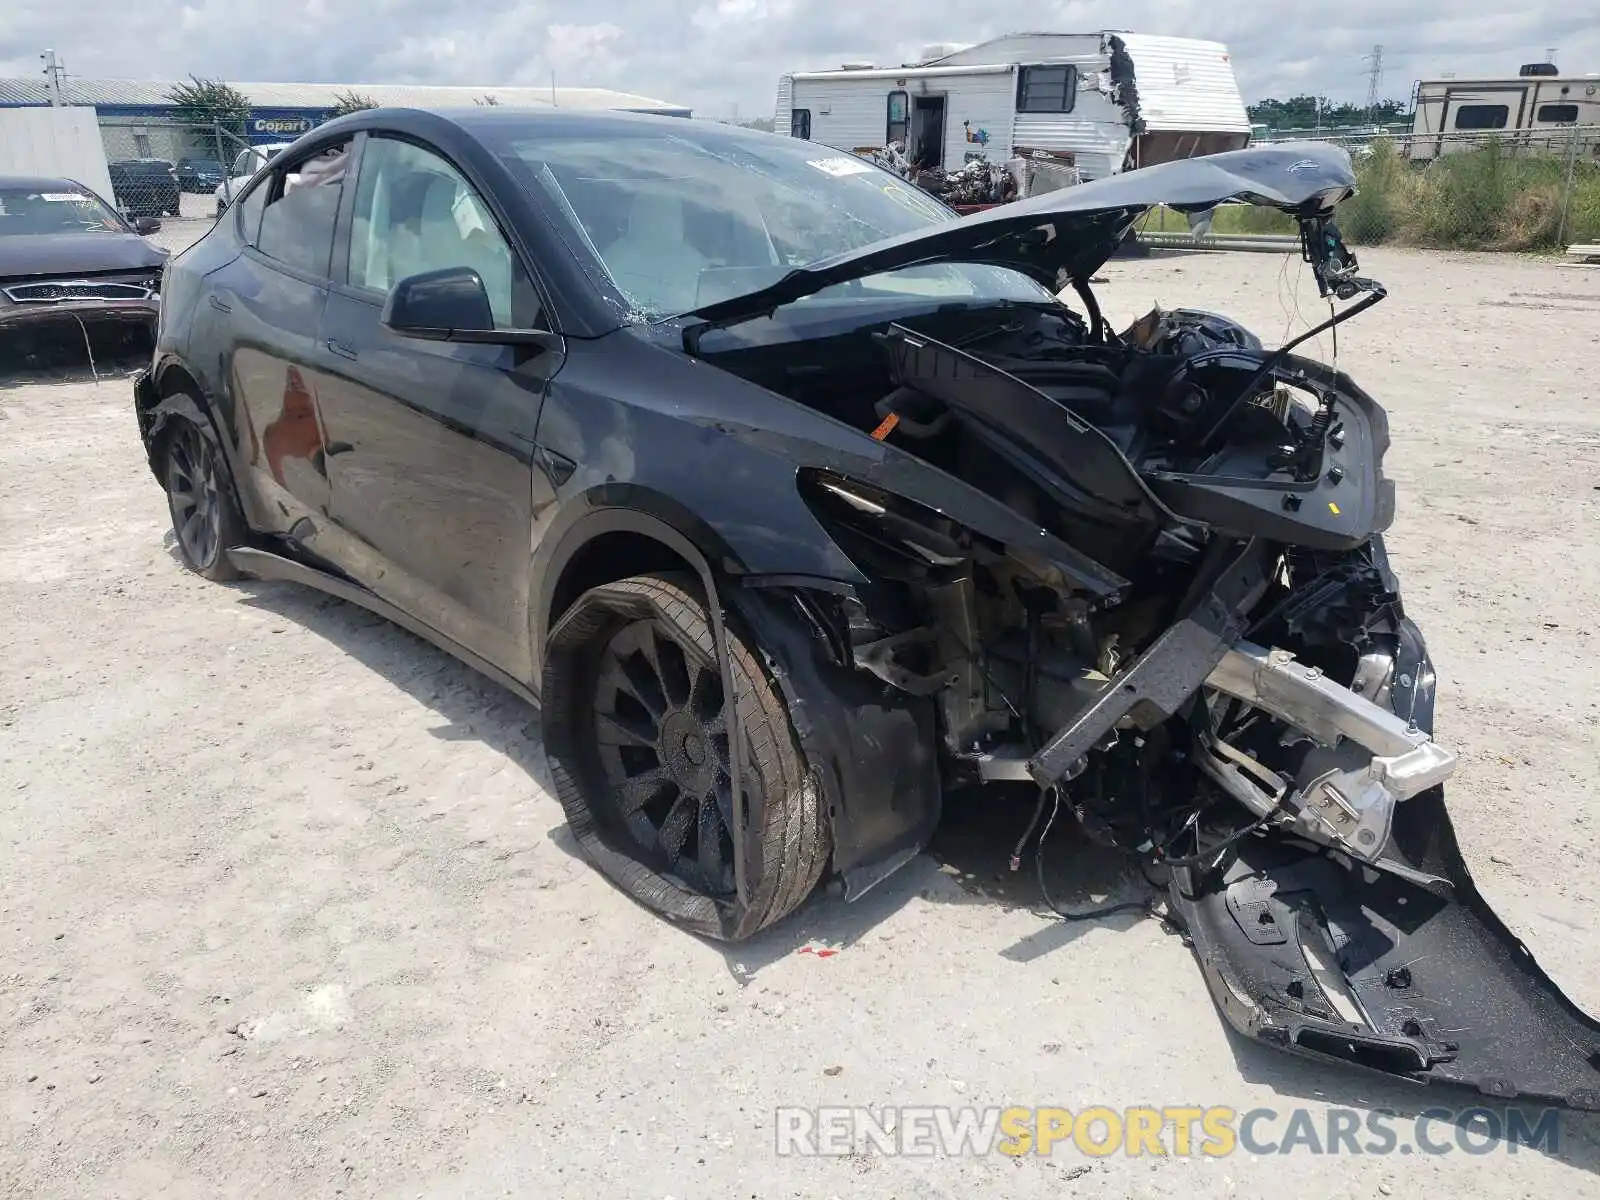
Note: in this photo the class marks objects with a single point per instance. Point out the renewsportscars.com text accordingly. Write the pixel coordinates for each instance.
(1100, 1131)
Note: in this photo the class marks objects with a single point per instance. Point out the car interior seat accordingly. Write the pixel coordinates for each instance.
(652, 262)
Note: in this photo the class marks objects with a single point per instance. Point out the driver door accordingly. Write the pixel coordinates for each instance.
(430, 444)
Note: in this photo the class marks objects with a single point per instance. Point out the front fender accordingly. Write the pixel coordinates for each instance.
(631, 508)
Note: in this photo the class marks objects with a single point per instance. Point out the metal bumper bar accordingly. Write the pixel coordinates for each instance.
(1351, 808)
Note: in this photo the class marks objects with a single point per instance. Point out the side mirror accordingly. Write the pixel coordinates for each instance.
(143, 225)
(436, 304)
(452, 305)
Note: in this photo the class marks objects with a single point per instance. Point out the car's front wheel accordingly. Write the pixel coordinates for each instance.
(641, 740)
(205, 514)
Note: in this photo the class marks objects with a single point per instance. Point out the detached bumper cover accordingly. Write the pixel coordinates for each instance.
(1345, 963)
(1401, 966)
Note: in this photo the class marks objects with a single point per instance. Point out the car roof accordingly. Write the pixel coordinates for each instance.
(474, 119)
(42, 183)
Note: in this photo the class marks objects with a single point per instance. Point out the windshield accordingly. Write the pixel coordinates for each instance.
(678, 221)
(71, 210)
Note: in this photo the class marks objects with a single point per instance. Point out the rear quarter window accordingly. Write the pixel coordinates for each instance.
(302, 205)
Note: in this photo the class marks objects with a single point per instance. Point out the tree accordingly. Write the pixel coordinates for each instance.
(210, 102)
(762, 123)
(345, 103)
(1309, 112)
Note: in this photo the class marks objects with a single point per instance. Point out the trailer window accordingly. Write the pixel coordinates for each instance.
(1558, 114)
(1482, 116)
(899, 119)
(1047, 89)
(800, 123)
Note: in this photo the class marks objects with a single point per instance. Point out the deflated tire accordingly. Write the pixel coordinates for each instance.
(645, 750)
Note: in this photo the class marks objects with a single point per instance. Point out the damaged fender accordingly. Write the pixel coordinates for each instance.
(872, 746)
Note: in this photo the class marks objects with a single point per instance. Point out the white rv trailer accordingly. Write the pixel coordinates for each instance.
(1102, 102)
(1539, 107)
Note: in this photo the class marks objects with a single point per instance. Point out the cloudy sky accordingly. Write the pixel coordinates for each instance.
(723, 56)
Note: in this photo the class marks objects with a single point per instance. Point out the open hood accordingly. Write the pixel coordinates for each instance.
(1073, 231)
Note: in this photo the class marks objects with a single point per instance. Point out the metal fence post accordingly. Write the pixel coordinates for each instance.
(1566, 193)
(222, 161)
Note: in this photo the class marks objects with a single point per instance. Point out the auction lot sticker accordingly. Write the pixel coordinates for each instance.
(845, 164)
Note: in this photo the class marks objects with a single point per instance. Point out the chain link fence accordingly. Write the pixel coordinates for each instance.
(170, 170)
(1507, 189)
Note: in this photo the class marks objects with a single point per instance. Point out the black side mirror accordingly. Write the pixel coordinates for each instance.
(437, 304)
(143, 225)
(452, 305)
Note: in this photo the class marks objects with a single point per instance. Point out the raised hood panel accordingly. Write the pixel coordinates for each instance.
(1075, 230)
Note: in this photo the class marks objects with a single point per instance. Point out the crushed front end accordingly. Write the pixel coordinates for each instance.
(1139, 577)
(1193, 642)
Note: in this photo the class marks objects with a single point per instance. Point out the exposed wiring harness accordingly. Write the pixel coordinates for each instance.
(1147, 907)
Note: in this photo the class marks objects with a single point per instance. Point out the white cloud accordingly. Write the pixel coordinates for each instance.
(717, 54)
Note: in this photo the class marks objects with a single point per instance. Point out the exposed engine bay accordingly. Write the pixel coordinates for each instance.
(1202, 656)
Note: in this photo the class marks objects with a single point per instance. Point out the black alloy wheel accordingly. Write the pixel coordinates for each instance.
(661, 728)
(200, 498)
(642, 736)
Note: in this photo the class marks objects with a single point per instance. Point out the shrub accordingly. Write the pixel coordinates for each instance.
(1372, 215)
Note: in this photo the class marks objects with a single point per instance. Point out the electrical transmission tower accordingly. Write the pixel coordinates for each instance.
(1374, 78)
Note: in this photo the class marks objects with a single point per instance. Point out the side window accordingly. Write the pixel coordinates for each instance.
(302, 206)
(899, 123)
(1558, 114)
(800, 123)
(415, 213)
(1047, 89)
(1482, 116)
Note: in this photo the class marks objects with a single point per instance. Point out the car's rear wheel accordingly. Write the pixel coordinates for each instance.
(641, 740)
(205, 513)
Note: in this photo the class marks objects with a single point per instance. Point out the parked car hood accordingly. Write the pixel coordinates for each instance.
(1075, 230)
(76, 253)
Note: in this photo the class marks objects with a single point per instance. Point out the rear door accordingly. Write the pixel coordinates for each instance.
(430, 444)
(265, 308)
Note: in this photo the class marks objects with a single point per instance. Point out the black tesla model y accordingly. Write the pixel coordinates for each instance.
(794, 499)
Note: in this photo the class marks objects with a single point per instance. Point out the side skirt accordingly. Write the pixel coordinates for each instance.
(263, 564)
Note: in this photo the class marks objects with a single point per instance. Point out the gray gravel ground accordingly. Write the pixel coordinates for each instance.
(286, 908)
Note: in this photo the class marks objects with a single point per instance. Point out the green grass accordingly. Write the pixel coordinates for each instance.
(1228, 218)
(1487, 199)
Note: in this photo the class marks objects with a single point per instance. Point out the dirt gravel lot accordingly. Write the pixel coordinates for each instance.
(286, 908)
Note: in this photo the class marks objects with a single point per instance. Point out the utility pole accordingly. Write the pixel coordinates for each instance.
(53, 71)
(1374, 78)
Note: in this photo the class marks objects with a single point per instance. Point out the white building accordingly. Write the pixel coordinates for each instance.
(1104, 102)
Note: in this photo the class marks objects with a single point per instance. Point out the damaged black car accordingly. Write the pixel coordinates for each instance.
(74, 274)
(795, 501)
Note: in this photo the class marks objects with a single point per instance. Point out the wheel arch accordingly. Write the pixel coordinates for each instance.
(171, 390)
(847, 723)
(167, 391)
(623, 531)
